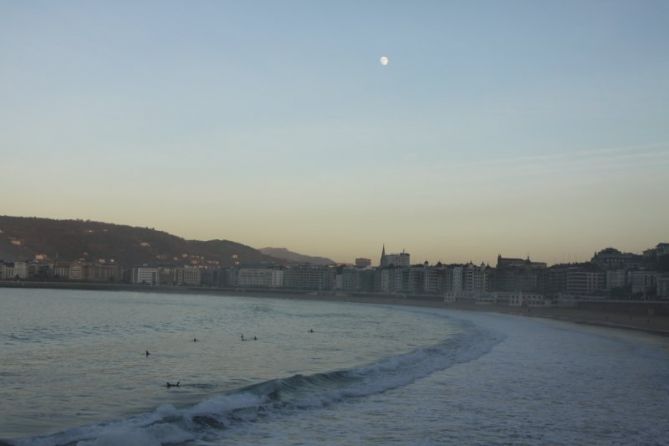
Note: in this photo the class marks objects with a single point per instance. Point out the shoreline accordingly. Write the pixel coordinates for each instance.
(639, 316)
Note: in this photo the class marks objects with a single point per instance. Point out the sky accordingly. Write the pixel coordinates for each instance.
(519, 128)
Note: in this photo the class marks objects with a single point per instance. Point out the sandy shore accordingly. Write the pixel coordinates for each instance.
(630, 316)
(654, 324)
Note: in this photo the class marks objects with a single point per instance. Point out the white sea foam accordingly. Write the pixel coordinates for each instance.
(546, 383)
(169, 425)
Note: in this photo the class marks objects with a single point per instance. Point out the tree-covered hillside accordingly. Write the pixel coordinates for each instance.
(22, 238)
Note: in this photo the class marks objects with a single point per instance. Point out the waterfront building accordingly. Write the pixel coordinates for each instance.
(516, 279)
(260, 278)
(367, 280)
(349, 279)
(40, 270)
(231, 276)
(510, 262)
(522, 299)
(581, 282)
(21, 270)
(450, 297)
(167, 275)
(434, 279)
(483, 298)
(402, 259)
(416, 279)
(657, 256)
(309, 277)
(662, 290)
(339, 281)
(454, 279)
(145, 275)
(77, 271)
(514, 274)
(188, 275)
(388, 283)
(662, 249)
(6, 271)
(99, 272)
(466, 282)
(505, 298)
(643, 281)
(394, 280)
(61, 270)
(362, 262)
(553, 280)
(612, 259)
(211, 277)
(474, 278)
(616, 278)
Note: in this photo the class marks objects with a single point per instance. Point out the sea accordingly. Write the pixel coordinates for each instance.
(74, 370)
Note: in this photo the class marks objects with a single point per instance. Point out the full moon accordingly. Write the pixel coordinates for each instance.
(384, 60)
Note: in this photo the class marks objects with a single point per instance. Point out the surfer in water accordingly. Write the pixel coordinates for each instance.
(169, 384)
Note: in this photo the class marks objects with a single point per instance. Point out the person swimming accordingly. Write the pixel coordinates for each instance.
(243, 338)
(255, 338)
(194, 339)
(169, 384)
(147, 353)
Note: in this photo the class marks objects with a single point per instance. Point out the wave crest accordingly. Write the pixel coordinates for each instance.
(168, 425)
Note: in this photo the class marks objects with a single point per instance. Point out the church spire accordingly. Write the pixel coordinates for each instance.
(382, 262)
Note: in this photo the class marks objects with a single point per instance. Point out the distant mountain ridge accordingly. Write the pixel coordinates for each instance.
(22, 238)
(294, 257)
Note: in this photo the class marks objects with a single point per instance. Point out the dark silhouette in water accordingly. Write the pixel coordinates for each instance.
(311, 330)
(147, 353)
(255, 339)
(194, 339)
(169, 384)
(243, 338)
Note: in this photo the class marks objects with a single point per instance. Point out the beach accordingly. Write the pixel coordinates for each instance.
(649, 317)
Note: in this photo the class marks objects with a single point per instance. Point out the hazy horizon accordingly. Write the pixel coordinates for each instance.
(517, 128)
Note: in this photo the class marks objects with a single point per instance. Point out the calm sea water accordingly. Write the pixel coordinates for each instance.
(73, 370)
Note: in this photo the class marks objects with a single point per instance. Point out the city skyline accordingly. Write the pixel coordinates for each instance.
(518, 128)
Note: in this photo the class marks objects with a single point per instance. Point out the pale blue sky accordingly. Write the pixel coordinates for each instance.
(520, 127)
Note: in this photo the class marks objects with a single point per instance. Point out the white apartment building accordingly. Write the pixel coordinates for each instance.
(474, 278)
(456, 274)
(260, 278)
(20, 270)
(145, 275)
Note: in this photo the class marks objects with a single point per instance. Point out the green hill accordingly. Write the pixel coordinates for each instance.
(295, 257)
(21, 238)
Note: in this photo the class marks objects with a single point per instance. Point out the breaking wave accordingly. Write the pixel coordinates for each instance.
(210, 418)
